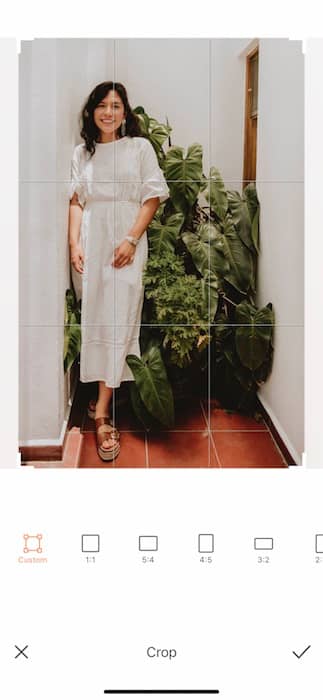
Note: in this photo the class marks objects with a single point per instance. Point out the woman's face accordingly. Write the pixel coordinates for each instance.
(109, 114)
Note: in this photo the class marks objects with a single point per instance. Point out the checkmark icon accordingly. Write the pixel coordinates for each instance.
(299, 656)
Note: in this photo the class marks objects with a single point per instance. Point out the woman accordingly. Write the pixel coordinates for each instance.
(117, 186)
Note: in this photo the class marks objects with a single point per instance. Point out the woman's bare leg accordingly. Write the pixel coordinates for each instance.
(102, 408)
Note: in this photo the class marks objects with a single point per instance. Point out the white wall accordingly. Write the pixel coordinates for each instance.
(170, 77)
(55, 78)
(280, 175)
(41, 376)
(227, 108)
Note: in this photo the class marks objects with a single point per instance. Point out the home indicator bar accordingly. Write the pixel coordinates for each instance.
(176, 691)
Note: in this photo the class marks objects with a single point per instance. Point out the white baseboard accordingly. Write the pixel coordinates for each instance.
(291, 449)
(46, 442)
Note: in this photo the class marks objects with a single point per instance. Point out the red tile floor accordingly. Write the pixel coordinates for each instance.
(203, 436)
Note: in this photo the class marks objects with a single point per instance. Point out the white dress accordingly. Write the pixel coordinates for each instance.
(111, 186)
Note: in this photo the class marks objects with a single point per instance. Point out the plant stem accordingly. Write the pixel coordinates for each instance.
(228, 300)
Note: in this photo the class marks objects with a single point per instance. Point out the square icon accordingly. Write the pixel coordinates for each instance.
(90, 543)
(206, 544)
(148, 543)
(264, 543)
(319, 544)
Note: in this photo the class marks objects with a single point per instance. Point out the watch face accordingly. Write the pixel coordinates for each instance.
(132, 240)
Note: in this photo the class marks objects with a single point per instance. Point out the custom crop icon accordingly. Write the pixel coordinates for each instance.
(33, 543)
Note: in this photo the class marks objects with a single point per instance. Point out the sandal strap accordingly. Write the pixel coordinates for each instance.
(105, 420)
(104, 427)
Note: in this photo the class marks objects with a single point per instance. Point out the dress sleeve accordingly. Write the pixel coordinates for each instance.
(153, 183)
(76, 183)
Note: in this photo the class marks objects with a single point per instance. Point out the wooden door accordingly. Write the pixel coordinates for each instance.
(251, 118)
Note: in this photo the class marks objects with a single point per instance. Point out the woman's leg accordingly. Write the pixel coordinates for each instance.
(102, 408)
(103, 400)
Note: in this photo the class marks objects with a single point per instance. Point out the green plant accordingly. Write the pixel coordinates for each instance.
(72, 330)
(154, 394)
(156, 133)
(201, 281)
(179, 309)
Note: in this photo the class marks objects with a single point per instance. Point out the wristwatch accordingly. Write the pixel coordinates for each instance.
(132, 240)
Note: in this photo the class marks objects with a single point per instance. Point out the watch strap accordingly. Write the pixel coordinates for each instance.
(132, 240)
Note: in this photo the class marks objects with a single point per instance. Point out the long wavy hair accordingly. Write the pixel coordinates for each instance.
(89, 131)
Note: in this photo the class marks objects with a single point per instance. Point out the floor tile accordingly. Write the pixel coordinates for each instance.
(221, 419)
(189, 415)
(180, 449)
(72, 447)
(132, 453)
(247, 449)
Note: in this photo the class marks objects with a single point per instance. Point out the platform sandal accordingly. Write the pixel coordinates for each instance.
(105, 430)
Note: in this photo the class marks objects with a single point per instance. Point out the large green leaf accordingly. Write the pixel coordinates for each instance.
(153, 385)
(217, 194)
(241, 218)
(72, 330)
(155, 132)
(179, 167)
(158, 133)
(163, 237)
(72, 342)
(152, 129)
(184, 175)
(250, 195)
(255, 230)
(207, 256)
(210, 287)
(139, 407)
(143, 119)
(207, 232)
(254, 333)
(238, 256)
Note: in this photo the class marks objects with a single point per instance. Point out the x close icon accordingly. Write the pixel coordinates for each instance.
(21, 652)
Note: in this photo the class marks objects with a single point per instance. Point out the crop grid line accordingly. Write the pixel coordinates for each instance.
(209, 260)
(139, 182)
(159, 325)
(114, 246)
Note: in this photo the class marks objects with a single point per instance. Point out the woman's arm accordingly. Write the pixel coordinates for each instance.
(146, 214)
(74, 227)
(123, 255)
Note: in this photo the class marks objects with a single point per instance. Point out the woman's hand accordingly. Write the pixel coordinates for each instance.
(77, 257)
(124, 254)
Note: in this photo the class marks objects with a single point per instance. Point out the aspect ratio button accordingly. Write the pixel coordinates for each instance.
(155, 653)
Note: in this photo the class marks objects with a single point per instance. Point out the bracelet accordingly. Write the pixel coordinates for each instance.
(132, 240)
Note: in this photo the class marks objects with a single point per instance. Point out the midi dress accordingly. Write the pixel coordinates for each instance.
(111, 186)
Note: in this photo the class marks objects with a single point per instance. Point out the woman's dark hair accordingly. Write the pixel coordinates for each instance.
(89, 131)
